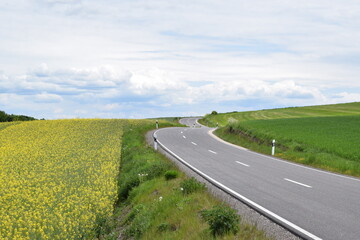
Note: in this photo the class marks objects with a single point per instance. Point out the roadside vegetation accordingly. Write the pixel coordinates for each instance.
(157, 201)
(321, 136)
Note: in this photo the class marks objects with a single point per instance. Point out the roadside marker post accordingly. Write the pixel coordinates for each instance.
(273, 148)
(157, 124)
(155, 143)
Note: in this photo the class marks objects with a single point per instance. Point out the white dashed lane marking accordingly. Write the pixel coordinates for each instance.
(298, 183)
(244, 164)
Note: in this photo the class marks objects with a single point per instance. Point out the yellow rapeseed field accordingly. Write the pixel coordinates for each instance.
(58, 178)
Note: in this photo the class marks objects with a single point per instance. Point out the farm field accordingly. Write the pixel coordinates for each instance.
(338, 135)
(4, 125)
(58, 178)
(326, 136)
(223, 119)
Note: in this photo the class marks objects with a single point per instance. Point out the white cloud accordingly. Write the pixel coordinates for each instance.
(45, 97)
(77, 54)
(111, 106)
(346, 97)
(154, 81)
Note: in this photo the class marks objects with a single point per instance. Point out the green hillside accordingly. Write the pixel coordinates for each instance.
(345, 109)
(326, 136)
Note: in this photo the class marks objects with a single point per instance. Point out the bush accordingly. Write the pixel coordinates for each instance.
(157, 169)
(222, 220)
(171, 174)
(214, 113)
(191, 185)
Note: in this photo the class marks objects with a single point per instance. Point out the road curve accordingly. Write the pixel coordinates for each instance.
(312, 203)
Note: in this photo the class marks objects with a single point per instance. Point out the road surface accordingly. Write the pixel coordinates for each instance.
(314, 204)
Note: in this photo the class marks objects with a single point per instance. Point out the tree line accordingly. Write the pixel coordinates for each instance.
(4, 117)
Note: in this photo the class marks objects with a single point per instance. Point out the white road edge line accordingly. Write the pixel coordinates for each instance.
(212, 152)
(225, 142)
(242, 198)
(194, 143)
(301, 184)
(282, 160)
(246, 165)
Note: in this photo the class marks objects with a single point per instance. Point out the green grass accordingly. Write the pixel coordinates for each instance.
(292, 112)
(326, 137)
(156, 208)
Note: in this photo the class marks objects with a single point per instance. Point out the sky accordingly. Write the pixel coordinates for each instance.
(144, 59)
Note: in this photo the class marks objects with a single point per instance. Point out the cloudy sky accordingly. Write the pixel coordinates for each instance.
(142, 58)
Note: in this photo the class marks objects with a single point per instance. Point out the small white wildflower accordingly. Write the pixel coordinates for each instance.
(181, 189)
(160, 198)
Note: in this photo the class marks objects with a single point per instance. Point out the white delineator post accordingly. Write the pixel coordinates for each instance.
(273, 148)
(155, 143)
(157, 124)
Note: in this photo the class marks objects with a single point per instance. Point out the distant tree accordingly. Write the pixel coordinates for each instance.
(4, 117)
(214, 113)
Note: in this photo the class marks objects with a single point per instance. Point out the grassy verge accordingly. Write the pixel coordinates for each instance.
(157, 201)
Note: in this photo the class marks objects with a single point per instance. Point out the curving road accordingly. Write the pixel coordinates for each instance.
(312, 203)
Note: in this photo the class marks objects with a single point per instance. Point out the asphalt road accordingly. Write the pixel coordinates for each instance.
(313, 203)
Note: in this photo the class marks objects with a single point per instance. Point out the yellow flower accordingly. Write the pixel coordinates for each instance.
(57, 177)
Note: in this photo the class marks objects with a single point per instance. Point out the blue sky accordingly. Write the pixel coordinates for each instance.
(142, 59)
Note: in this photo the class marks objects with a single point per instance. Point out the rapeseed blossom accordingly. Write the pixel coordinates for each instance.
(58, 178)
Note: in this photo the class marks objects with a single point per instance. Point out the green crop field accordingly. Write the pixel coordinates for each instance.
(292, 112)
(322, 136)
(338, 135)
